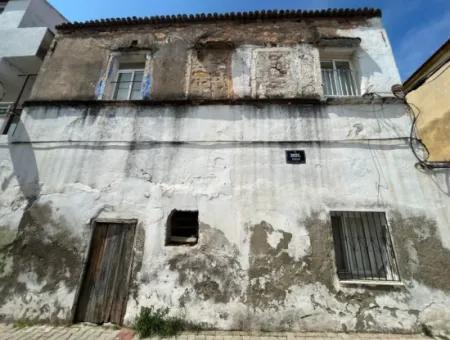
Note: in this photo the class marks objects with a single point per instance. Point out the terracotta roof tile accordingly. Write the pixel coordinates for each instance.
(204, 17)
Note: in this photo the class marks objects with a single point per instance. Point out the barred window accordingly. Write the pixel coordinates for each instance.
(363, 246)
(338, 78)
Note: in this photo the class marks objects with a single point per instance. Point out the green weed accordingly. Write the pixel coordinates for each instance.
(156, 322)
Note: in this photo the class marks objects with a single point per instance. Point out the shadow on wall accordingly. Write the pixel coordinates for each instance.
(441, 178)
(24, 163)
(367, 67)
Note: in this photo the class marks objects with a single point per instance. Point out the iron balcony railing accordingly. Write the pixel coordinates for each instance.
(5, 107)
(338, 83)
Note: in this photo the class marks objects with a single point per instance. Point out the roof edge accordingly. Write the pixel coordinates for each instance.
(432, 64)
(205, 17)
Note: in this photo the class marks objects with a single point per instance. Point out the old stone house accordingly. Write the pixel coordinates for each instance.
(245, 170)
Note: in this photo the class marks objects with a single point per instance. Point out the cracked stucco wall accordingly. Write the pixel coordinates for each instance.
(430, 104)
(265, 257)
(261, 60)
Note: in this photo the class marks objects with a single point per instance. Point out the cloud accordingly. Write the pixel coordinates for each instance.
(420, 42)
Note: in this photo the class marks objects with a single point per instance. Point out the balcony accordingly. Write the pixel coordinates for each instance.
(5, 107)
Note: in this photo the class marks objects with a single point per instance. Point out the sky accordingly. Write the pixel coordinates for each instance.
(416, 28)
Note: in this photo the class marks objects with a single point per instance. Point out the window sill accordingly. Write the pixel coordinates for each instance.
(181, 244)
(357, 100)
(371, 283)
(182, 241)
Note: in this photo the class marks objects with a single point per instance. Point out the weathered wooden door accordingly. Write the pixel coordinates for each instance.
(104, 289)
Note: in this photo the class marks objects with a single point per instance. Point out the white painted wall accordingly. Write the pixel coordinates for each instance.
(30, 13)
(41, 14)
(13, 14)
(374, 59)
(239, 123)
(16, 46)
(229, 163)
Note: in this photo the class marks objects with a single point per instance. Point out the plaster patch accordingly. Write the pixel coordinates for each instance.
(211, 270)
(274, 238)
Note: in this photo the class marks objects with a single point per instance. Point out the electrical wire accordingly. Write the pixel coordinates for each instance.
(423, 163)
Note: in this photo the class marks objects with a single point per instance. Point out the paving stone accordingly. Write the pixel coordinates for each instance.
(92, 332)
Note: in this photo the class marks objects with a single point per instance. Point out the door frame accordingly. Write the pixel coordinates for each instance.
(83, 274)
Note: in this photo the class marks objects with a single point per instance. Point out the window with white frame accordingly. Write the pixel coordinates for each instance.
(363, 247)
(338, 78)
(128, 84)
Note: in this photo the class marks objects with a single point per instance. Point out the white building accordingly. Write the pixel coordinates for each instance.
(27, 28)
(247, 171)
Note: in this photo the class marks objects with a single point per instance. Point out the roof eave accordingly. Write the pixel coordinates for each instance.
(432, 64)
(208, 17)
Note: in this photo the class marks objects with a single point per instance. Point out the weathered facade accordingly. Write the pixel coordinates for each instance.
(221, 100)
(427, 94)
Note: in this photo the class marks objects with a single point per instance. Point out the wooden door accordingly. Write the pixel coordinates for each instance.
(104, 290)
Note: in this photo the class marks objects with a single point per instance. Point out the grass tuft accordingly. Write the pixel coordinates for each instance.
(24, 324)
(156, 322)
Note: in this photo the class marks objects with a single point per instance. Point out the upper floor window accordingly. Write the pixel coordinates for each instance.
(128, 85)
(338, 78)
(125, 76)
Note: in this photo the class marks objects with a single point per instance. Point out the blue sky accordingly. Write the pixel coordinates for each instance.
(416, 27)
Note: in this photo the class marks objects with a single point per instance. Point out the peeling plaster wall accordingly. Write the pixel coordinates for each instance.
(374, 60)
(265, 257)
(430, 103)
(264, 59)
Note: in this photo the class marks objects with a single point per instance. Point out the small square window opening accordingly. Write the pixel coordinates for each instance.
(338, 78)
(363, 247)
(182, 228)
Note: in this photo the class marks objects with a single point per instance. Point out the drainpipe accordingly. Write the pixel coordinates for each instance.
(12, 114)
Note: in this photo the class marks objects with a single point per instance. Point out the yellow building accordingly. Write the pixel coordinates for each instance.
(428, 95)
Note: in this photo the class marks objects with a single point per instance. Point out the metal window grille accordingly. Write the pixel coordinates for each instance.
(363, 246)
(337, 78)
(8, 117)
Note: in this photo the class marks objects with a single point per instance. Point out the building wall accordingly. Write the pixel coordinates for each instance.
(30, 13)
(26, 28)
(41, 14)
(431, 105)
(13, 13)
(243, 49)
(265, 257)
